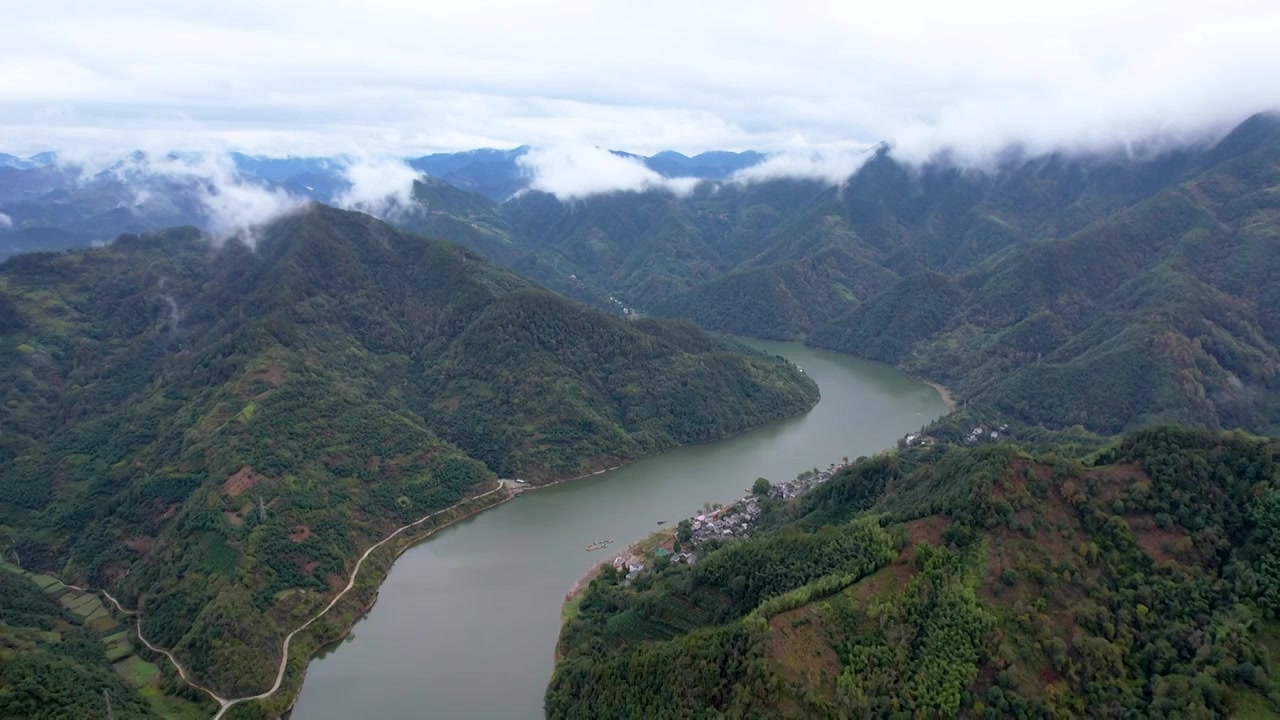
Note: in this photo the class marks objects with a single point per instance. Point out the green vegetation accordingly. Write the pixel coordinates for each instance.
(57, 661)
(214, 434)
(1109, 292)
(996, 581)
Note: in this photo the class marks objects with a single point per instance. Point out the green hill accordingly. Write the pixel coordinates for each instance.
(993, 581)
(1165, 311)
(215, 433)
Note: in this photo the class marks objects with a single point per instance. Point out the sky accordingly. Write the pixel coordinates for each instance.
(396, 78)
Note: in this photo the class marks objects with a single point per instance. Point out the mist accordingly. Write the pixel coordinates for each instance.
(832, 165)
(812, 85)
(382, 187)
(232, 205)
(572, 172)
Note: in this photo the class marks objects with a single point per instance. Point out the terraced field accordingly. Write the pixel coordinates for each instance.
(119, 643)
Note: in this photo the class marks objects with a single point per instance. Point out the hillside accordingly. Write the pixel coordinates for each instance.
(214, 433)
(1165, 311)
(990, 581)
(1114, 291)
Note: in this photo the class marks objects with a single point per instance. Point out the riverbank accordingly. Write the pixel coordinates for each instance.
(310, 643)
(486, 600)
(943, 391)
(403, 545)
(513, 489)
(680, 446)
(647, 544)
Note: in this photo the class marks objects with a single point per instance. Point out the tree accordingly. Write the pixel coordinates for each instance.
(761, 487)
(684, 531)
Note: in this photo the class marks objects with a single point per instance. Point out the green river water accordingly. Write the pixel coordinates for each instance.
(465, 625)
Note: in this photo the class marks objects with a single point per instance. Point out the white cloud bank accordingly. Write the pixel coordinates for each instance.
(6, 222)
(571, 172)
(232, 205)
(321, 77)
(382, 187)
(832, 164)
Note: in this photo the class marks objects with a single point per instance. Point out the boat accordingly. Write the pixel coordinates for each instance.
(598, 544)
(662, 522)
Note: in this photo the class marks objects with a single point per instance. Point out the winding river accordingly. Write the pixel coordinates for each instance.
(466, 623)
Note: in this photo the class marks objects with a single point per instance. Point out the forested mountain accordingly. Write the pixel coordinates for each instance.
(1108, 291)
(1142, 580)
(1131, 288)
(214, 432)
(57, 206)
(1166, 310)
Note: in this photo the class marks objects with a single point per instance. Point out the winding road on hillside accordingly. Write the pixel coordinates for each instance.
(225, 704)
(284, 652)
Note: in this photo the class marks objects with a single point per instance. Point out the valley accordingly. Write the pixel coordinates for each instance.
(609, 361)
(221, 433)
(448, 626)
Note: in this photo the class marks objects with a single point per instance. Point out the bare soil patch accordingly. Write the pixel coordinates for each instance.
(890, 578)
(300, 533)
(273, 375)
(241, 482)
(800, 652)
(141, 544)
(1160, 543)
(233, 518)
(928, 528)
(1115, 479)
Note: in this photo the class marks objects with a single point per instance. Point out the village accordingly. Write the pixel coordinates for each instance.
(723, 522)
(739, 520)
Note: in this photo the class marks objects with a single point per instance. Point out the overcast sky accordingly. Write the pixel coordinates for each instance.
(407, 77)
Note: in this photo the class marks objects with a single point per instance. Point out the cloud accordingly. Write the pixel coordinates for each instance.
(382, 187)
(6, 222)
(231, 205)
(318, 77)
(832, 164)
(575, 171)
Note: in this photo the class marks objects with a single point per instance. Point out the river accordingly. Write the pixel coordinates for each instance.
(466, 623)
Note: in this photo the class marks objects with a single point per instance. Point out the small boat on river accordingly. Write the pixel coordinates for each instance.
(598, 544)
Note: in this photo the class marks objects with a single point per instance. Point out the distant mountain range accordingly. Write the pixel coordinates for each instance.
(45, 205)
(1100, 289)
(213, 429)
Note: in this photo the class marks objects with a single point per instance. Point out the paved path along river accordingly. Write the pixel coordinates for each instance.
(466, 623)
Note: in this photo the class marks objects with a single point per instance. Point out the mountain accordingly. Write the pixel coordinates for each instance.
(495, 174)
(498, 175)
(214, 433)
(713, 165)
(41, 196)
(1161, 311)
(1112, 291)
(944, 581)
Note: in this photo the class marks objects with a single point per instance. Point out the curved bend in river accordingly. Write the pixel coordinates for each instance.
(466, 624)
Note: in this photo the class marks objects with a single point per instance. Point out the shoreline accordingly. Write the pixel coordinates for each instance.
(410, 542)
(282, 668)
(947, 400)
(538, 486)
(513, 490)
(634, 548)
